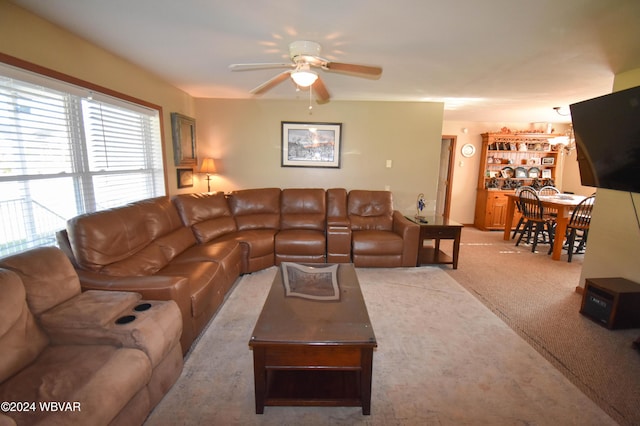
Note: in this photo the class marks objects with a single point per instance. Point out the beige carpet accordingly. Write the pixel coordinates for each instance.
(536, 297)
(443, 359)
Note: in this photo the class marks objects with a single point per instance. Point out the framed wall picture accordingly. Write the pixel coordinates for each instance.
(185, 178)
(183, 132)
(548, 160)
(311, 144)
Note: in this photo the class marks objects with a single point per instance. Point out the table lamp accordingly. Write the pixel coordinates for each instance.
(209, 167)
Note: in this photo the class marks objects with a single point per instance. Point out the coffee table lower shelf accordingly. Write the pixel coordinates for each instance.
(313, 388)
(309, 375)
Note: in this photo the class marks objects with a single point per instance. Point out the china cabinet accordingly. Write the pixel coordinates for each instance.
(508, 161)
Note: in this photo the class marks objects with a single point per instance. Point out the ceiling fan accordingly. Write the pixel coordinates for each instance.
(305, 55)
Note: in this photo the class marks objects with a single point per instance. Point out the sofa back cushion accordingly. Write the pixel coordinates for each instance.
(47, 275)
(370, 210)
(208, 215)
(21, 339)
(303, 209)
(256, 208)
(120, 239)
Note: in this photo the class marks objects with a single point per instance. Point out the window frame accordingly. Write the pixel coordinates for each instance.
(65, 78)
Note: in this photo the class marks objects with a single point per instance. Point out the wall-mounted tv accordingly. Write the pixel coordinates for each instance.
(607, 132)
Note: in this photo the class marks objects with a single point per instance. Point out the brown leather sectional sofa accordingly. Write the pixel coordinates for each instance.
(192, 248)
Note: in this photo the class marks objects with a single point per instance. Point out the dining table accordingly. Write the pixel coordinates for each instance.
(563, 204)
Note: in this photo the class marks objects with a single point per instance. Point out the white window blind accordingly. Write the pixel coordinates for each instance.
(65, 151)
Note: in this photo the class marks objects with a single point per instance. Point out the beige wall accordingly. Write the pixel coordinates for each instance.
(244, 136)
(614, 237)
(30, 38)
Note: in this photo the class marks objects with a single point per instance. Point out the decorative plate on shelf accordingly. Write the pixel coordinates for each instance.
(468, 150)
(507, 172)
(534, 172)
(521, 172)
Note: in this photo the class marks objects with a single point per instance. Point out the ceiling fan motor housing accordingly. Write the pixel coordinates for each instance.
(304, 50)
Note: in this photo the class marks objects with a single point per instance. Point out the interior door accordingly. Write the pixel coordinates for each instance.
(445, 176)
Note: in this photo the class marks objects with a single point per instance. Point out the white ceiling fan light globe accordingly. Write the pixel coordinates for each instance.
(304, 78)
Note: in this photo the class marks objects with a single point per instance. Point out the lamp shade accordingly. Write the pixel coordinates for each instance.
(208, 166)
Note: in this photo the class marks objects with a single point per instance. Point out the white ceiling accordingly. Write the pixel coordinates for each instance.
(490, 60)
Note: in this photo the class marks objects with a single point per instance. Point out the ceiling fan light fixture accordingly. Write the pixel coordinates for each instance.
(304, 78)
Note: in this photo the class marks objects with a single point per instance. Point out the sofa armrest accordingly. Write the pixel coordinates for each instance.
(410, 233)
(150, 287)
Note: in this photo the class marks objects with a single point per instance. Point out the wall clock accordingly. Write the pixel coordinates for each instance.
(468, 150)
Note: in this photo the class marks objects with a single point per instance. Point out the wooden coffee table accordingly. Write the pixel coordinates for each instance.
(313, 352)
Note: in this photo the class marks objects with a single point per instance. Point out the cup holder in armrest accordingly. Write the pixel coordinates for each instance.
(125, 319)
(142, 307)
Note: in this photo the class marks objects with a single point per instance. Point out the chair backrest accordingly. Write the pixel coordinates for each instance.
(548, 190)
(530, 204)
(581, 216)
(517, 193)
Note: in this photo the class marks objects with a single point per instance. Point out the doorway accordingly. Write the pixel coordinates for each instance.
(445, 175)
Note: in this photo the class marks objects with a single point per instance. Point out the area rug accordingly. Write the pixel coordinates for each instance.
(442, 359)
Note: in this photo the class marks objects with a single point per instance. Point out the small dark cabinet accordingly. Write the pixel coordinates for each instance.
(612, 302)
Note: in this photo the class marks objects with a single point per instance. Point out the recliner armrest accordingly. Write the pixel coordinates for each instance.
(410, 233)
(151, 287)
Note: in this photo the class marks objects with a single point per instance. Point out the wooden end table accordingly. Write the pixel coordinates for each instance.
(314, 352)
(437, 228)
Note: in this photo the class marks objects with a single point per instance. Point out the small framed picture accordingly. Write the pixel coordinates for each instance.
(546, 174)
(549, 161)
(534, 161)
(185, 178)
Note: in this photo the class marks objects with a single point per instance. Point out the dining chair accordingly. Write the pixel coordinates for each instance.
(537, 222)
(548, 190)
(578, 227)
(520, 225)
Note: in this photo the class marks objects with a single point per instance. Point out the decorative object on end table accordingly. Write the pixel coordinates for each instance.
(420, 204)
(311, 144)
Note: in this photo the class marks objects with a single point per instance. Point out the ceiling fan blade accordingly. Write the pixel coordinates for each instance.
(322, 94)
(271, 83)
(251, 67)
(365, 70)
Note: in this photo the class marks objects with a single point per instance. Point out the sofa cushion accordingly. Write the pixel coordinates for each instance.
(102, 379)
(176, 242)
(39, 267)
(301, 242)
(115, 235)
(377, 243)
(303, 208)
(370, 210)
(196, 208)
(108, 236)
(21, 339)
(256, 208)
(146, 261)
(207, 214)
(161, 216)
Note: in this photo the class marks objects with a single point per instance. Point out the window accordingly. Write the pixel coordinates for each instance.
(65, 151)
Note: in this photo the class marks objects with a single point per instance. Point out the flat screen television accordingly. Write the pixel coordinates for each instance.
(607, 132)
